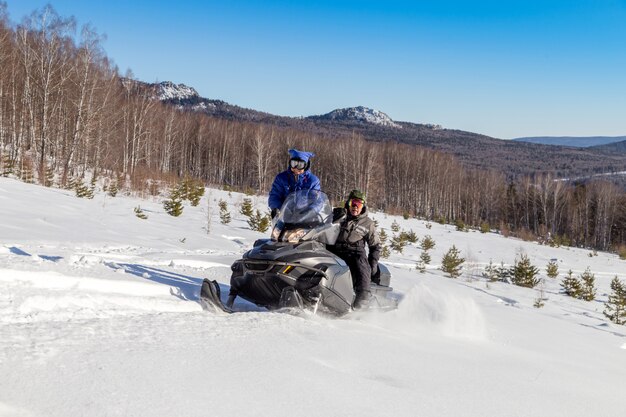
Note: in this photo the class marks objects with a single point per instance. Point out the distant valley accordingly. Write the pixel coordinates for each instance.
(574, 141)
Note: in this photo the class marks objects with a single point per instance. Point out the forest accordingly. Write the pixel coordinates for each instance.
(66, 113)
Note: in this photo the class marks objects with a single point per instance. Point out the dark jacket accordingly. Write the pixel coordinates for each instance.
(355, 233)
(286, 182)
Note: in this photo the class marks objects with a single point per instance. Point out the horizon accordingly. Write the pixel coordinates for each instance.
(525, 69)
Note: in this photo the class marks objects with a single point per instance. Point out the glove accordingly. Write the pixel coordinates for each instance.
(275, 212)
(338, 213)
(375, 277)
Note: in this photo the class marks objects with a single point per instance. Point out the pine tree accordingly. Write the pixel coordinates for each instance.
(427, 243)
(552, 269)
(385, 252)
(397, 243)
(424, 260)
(383, 236)
(82, 191)
(185, 187)
(224, 213)
(524, 273)
(8, 166)
(112, 190)
(139, 213)
(451, 263)
(195, 193)
(615, 307)
(174, 204)
(491, 272)
(26, 173)
(259, 222)
(409, 236)
(571, 285)
(49, 176)
(246, 207)
(395, 227)
(588, 289)
(539, 301)
(504, 273)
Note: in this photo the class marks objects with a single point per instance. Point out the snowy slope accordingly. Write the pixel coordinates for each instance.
(99, 317)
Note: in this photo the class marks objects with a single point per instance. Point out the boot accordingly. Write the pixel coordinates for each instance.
(361, 300)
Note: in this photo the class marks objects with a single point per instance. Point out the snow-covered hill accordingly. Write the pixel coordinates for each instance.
(99, 316)
(359, 114)
(167, 90)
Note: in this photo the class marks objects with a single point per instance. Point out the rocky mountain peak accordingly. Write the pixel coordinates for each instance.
(167, 90)
(361, 114)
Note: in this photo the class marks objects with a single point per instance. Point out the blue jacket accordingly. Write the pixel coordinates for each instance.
(286, 183)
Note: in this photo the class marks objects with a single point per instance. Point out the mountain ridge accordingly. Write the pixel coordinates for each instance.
(474, 150)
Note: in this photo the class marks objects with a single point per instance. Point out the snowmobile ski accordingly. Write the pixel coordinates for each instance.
(210, 297)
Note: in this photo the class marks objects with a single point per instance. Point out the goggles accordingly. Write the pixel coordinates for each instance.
(356, 202)
(297, 163)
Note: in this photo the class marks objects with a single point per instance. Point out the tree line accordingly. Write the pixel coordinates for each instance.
(65, 111)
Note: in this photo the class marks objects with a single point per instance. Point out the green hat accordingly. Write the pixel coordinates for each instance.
(357, 194)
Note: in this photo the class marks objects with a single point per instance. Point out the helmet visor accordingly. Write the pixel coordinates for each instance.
(356, 202)
(297, 163)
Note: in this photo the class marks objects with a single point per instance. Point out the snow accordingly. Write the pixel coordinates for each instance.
(99, 316)
(170, 91)
(363, 114)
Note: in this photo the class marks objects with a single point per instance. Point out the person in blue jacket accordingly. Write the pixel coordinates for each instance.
(296, 177)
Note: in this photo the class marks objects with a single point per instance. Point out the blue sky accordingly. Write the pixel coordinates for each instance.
(501, 68)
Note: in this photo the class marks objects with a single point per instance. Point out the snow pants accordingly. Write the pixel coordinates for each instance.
(359, 269)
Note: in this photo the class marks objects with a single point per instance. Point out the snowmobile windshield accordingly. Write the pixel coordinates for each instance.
(302, 212)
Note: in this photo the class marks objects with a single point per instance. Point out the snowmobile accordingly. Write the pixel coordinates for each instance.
(294, 269)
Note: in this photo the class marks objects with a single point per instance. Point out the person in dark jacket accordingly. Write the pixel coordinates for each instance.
(358, 231)
(296, 177)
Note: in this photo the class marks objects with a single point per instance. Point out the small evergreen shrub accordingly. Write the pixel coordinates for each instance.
(484, 228)
(383, 236)
(395, 227)
(8, 166)
(524, 274)
(224, 213)
(385, 252)
(491, 272)
(82, 191)
(49, 177)
(452, 263)
(552, 269)
(615, 307)
(571, 285)
(427, 243)
(588, 289)
(504, 273)
(174, 204)
(424, 260)
(259, 222)
(409, 236)
(112, 189)
(246, 207)
(139, 213)
(196, 191)
(397, 243)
